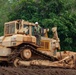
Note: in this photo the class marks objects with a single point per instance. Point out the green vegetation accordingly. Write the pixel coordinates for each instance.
(49, 13)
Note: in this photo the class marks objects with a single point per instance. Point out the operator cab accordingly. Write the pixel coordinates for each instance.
(19, 27)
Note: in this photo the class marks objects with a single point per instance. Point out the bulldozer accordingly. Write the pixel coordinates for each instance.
(19, 46)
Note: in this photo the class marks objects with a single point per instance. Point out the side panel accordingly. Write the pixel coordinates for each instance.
(31, 39)
(18, 39)
(6, 41)
(5, 51)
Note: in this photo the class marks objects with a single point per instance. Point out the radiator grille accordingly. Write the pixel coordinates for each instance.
(45, 45)
(42, 43)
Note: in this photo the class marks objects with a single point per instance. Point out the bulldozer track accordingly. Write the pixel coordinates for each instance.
(34, 50)
(44, 55)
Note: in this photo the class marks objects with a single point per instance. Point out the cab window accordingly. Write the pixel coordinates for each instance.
(26, 29)
(10, 28)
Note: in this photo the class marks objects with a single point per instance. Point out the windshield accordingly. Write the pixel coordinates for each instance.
(10, 28)
(26, 29)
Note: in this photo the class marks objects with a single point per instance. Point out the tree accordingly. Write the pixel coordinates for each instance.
(48, 13)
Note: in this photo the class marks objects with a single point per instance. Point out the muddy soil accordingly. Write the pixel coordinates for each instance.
(36, 71)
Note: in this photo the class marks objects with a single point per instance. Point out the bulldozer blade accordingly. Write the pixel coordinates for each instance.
(44, 63)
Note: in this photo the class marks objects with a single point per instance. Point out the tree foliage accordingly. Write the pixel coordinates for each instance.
(48, 13)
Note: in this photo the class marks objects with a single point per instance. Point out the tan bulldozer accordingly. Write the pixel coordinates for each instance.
(19, 46)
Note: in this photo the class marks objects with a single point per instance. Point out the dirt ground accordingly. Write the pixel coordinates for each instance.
(36, 71)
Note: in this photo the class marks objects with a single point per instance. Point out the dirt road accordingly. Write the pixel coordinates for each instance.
(35, 71)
